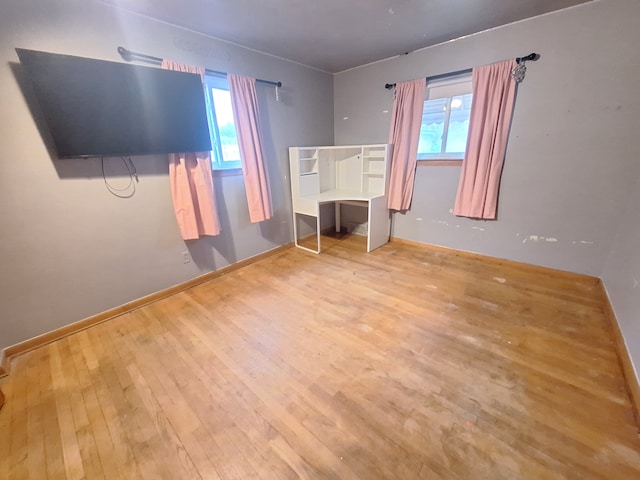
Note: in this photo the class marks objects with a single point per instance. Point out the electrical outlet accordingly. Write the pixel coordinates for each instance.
(186, 258)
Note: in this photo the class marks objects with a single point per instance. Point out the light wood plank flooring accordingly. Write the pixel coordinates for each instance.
(404, 363)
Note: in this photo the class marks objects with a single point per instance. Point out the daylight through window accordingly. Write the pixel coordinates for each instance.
(445, 119)
(224, 140)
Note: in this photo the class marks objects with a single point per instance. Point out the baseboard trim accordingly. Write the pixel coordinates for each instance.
(23, 347)
(581, 277)
(624, 359)
(4, 364)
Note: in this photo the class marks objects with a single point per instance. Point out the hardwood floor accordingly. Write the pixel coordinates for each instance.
(404, 363)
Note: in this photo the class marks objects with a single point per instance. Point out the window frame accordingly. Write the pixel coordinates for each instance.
(218, 164)
(448, 87)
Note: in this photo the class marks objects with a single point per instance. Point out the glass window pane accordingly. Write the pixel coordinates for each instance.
(458, 124)
(226, 126)
(432, 127)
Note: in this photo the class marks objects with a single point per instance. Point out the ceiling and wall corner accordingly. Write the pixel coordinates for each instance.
(335, 35)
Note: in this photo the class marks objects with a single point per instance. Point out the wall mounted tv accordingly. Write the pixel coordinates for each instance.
(99, 108)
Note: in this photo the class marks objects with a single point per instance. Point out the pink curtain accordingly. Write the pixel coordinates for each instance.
(245, 113)
(191, 181)
(494, 93)
(406, 120)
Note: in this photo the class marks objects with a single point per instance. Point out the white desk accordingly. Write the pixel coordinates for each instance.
(378, 216)
(352, 175)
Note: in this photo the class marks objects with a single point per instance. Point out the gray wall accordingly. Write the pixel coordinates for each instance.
(69, 249)
(621, 276)
(572, 146)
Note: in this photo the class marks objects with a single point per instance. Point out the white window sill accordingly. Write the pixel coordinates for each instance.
(444, 162)
(227, 172)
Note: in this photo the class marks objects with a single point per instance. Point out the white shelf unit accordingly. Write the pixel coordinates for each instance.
(374, 169)
(356, 175)
(308, 161)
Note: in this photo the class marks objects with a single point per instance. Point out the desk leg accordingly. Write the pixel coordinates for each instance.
(318, 230)
(295, 229)
(337, 204)
(295, 233)
(379, 223)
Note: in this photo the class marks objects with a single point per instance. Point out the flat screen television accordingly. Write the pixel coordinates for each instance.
(100, 108)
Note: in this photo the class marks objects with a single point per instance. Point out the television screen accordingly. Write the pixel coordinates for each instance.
(99, 108)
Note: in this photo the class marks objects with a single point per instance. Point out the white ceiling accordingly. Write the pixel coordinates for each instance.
(334, 35)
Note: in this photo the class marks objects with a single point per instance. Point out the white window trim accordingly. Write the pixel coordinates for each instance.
(449, 87)
(441, 156)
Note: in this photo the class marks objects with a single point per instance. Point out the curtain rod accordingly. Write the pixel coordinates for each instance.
(532, 57)
(130, 56)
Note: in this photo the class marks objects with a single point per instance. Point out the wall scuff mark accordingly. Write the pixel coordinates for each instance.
(539, 238)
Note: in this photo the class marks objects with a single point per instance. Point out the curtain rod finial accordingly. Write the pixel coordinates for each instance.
(532, 57)
(124, 53)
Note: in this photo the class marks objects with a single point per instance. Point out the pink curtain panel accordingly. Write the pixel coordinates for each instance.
(406, 119)
(494, 94)
(244, 101)
(191, 181)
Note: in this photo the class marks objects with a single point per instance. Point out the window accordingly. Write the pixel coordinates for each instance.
(224, 141)
(445, 119)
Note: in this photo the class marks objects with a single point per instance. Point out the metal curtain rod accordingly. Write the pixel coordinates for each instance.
(532, 57)
(130, 56)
